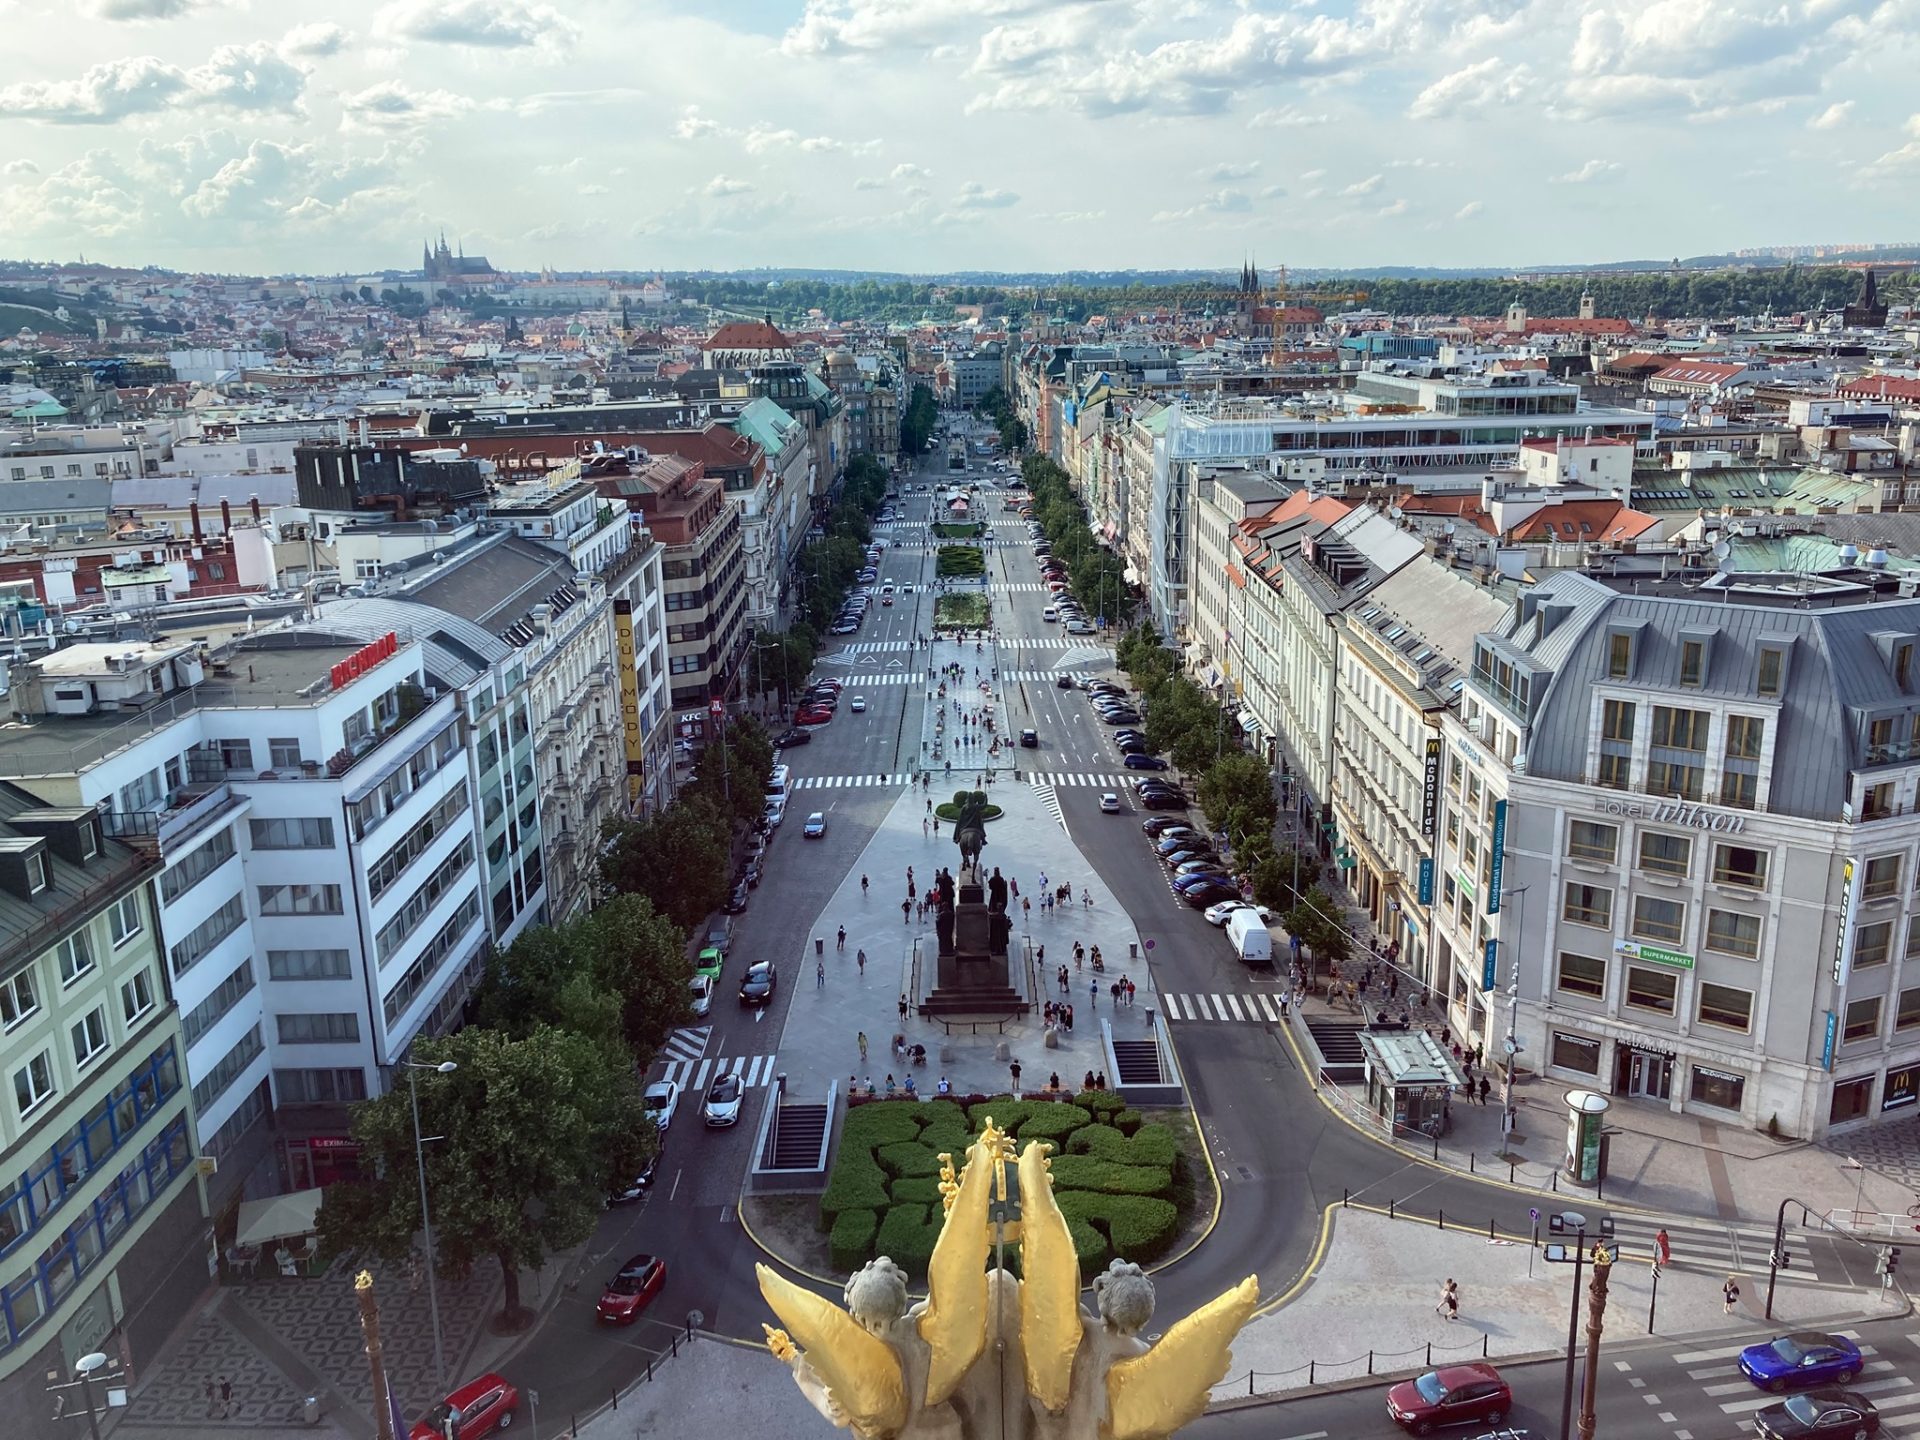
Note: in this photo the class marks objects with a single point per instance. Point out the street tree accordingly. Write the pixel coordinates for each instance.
(1237, 794)
(530, 1135)
(677, 858)
(1315, 919)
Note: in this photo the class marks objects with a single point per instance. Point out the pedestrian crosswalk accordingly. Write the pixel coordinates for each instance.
(854, 682)
(1743, 1249)
(1076, 780)
(1259, 1007)
(693, 1076)
(1716, 1371)
(849, 782)
(688, 1042)
(1005, 642)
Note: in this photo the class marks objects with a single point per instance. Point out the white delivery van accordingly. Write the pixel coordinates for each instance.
(1250, 938)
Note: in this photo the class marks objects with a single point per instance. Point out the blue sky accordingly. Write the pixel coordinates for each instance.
(937, 134)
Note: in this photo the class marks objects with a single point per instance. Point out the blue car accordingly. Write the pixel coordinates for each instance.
(1138, 761)
(1186, 884)
(1806, 1357)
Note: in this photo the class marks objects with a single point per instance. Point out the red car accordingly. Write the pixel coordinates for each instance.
(477, 1408)
(629, 1292)
(811, 716)
(1451, 1395)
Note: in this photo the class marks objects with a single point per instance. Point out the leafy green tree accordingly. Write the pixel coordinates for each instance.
(532, 1132)
(678, 859)
(1282, 880)
(1237, 794)
(1315, 920)
(783, 659)
(620, 972)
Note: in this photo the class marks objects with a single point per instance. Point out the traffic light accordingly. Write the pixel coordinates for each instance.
(1887, 1261)
(1893, 1258)
(1781, 1259)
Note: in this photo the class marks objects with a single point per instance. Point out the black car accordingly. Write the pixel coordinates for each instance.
(1159, 824)
(1816, 1414)
(1187, 857)
(1065, 682)
(759, 983)
(1162, 800)
(737, 900)
(1210, 892)
(1140, 760)
(1030, 739)
(792, 737)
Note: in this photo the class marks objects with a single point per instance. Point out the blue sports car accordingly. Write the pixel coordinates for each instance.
(1806, 1357)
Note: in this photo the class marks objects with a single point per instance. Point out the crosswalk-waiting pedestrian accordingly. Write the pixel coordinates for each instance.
(1730, 1293)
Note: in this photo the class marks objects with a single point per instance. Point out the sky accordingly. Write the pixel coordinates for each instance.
(932, 135)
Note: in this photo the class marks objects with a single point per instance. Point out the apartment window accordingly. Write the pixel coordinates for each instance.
(1907, 1014)
(194, 946)
(1654, 990)
(1862, 1020)
(17, 998)
(1882, 878)
(33, 1083)
(1725, 1006)
(74, 956)
(1575, 1052)
(1619, 656)
(308, 965)
(89, 1036)
(1872, 945)
(1662, 921)
(1732, 933)
(1744, 736)
(136, 995)
(236, 754)
(1877, 801)
(283, 754)
(335, 1029)
(36, 873)
(1740, 865)
(227, 994)
(1675, 779)
(319, 1087)
(430, 827)
(124, 919)
(1693, 662)
(299, 899)
(1677, 729)
(1665, 854)
(298, 832)
(1616, 720)
(1582, 975)
(1912, 951)
(408, 917)
(182, 877)
(1615, 772)
(227, 1069)
(1902, 665)
(1773, 664)
(1590, 840)
(1588, 905)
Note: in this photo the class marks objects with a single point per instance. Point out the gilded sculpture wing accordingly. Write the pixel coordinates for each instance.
(1154, 1394)
(954, 1322)
(860, 1370)
(1050, 1330)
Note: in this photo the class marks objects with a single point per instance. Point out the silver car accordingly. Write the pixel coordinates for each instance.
(723, 1102)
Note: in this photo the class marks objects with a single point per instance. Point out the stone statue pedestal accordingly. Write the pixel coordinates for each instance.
(971, 976)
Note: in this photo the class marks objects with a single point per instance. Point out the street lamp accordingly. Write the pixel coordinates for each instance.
(1513, 1008)
(445, 1067)
(1572, 1222)
(88, 1366)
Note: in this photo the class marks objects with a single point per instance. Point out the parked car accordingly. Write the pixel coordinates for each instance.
(792, 736)
(1158, 825)
(775, 812)
(1220, 914)
(1120, 716)
(1452, 1395)
(700, 990)
(709, 961)
(722, 1105)
(1138, 760)
(813, 715)
(1206, 891)
(1178, 837)
(1163, 800)
(1079, 627)
(737, 899)
(1817, 1415)
(1109, 803)
(630, 1292)
(843, 627)
(815, 827)
(759, 983)
(1805, 1357)
(477, 1408)
(660, 1100)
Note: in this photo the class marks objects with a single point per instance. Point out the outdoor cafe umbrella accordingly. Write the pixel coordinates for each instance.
(277, 1217)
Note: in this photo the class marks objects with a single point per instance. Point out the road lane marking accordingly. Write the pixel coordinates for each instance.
(1689, 1357)
(1233, 1004)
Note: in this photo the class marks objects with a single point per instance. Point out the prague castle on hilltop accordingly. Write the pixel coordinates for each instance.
(441, 265)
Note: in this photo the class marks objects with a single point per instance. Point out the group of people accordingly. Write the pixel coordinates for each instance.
(904, 1088)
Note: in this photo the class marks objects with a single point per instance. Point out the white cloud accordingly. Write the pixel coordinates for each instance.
(1285, 117)
(758, 139)
(593, 190)
(1225, 201)
(19, 167)
(1392, 211)
(1469, 210)
(1595, 169)
(236, 77)
(1312, 174)
(1485, 85)
(1834, 116)
(869, 182)
(390, 105)
(1272, 192)
(722, 185)
(907, 170)
(314, 41)
(140, 9)
(975, 196)
(483, 24)
(692, 125)
(1073, 217)
(1241, 170)
(1364, 187)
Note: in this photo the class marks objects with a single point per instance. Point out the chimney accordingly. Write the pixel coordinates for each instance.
(193, 511)
(226, 515)
(253, 503)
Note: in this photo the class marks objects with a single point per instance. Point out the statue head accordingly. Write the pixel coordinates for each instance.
(876, 1294)
(1124, 1297)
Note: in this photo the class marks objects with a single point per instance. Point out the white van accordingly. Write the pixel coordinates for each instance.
(779, 782)
(1250, 938)
(1050, 613)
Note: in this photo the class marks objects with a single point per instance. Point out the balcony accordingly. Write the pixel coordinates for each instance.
(189, 810)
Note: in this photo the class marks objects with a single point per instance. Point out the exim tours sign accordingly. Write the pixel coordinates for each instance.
(1674, 812)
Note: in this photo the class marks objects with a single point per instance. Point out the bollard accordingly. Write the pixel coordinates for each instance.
(1390, 1207)
(1473, 1162)
(1310, 1365)
(616, 1398)
(1345, 1195)
(1249, 1382)
(1443, 1218)
(1509, 1172)
(1369, 1362)
(1556, 1182)
(673, 1344)
(1490, 1234)
(1429, 1354)
(649, 1369)
(1484, 1337)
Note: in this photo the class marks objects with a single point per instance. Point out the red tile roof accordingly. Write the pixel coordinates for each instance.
(746, 335)
(1881, 387)
(1700, 372)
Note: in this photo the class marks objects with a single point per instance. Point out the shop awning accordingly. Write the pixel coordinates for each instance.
(277, 1217)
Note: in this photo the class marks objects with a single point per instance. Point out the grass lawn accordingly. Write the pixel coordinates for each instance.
(954, 530)
(964, 612)
(959, 561)
(1131, 1188)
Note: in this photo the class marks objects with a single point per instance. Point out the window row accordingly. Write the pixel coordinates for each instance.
(1651, 988)
(430, 827)
(1662, 853)
(1662, 921)
(407, 919)
(1721, 1089)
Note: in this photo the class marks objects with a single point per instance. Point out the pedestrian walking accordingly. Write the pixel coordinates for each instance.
(903, 1008)
(1079, 954)
(1014, 885)
(1039, 954)
(840, 945)
(212, 1397)
(1093, 993)
(1132, 990)
(1086, 897)
(863, 1050)
(863, 887)
(906, 912)
(1069, 1011)
(819, 974)
(226, 1397)
(1449, 1300)
(1014, 1070)
(1062, 977)
(1486, 1087)
(1730, 1292)
(860, 959)
(1026, 907)
(923, 829)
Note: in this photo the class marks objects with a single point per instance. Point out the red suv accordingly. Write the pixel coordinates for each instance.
(477, 1408)
(1451, 1395)
(628, 1293)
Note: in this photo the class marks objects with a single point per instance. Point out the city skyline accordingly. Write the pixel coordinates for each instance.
(1007, 135)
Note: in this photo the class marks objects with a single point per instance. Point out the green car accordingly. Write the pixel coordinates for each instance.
(708, 963)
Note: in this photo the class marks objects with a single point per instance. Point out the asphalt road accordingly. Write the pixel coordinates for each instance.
(1647, 1389)
(1280, 1157)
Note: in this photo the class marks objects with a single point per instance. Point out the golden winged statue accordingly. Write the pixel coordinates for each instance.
(890, 1371)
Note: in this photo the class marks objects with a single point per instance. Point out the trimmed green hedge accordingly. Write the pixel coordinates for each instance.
(1122, 1195)
(953, 561)
(949, 812)
(851, 1239)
